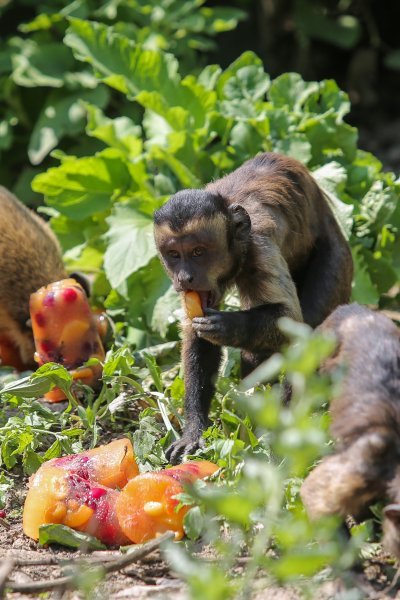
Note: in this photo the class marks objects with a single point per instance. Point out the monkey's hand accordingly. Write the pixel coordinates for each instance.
(222, 328)
(189, 442)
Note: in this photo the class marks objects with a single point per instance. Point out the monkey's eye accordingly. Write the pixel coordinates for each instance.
(173, 254)
(198, 251)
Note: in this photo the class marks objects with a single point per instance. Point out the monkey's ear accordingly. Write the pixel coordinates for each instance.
(240, 219)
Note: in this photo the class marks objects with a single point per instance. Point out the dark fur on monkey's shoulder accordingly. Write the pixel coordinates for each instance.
(267, 229)
(30, 257)
(365, 467)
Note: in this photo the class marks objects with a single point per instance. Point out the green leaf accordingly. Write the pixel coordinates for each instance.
(344, 32)
(120, 133)
(296, 145)
(82, 187)
(193, 523)
(246, 139)
(291, 91)
(166, 311)
(131, 244)
(332, 178)
(364, 291)
(61, 534)
(249, 83)
(61, 115)
(41, 64)
(121, 63)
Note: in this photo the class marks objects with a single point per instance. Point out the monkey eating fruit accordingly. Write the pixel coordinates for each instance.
(267, 229)
(30, 257)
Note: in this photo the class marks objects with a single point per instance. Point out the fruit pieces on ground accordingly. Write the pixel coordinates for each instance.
(193, 305)
(73, 491)
(65, 332)
(147, 505)
(59, 496)
(112, 465)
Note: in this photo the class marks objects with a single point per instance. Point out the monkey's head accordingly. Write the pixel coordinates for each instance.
(202, 242)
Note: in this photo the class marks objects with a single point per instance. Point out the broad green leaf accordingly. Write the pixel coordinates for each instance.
(166, 311)
(291, 91)
(131, 244)
(121, 133)
(364, 291)
(344, 32)
(61, 115)
(332, 178)
(61, 534)
(120, 62)
(295, 145)
(42, 64)
(379, 204)
(193, 523)
(85, 186)
(249, 82)
(329, 139)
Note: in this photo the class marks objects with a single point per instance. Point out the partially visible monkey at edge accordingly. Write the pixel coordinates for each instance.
(30, 257)
(365, 467)
(267, 229)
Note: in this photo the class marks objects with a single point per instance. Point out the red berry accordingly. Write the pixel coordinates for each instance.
(3, 514)
(70, 295)
(97, 493)
(40, 320)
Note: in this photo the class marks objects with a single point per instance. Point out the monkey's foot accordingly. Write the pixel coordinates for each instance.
(187, 444)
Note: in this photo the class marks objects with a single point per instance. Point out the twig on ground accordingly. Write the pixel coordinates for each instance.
(108, 567)
(6, 566)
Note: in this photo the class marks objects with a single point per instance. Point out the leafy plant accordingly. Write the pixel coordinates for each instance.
(44, 88)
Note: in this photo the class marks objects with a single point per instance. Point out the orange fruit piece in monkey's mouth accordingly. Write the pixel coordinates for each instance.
(193, 305)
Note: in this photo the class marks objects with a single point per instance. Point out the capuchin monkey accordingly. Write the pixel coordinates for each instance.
(30, 257)
(365, 413)
(267, 229)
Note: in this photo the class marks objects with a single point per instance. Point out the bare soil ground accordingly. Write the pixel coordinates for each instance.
(23, 561)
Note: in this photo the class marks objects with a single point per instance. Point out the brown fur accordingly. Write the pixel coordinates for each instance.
(267, 229)
(365, 467)
(30, 257)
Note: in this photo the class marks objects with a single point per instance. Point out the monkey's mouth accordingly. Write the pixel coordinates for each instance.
(207, 299)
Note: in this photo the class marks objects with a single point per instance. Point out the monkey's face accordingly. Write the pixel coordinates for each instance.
(198, 257)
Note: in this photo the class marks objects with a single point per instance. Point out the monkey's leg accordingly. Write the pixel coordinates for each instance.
(201, 361)
(327, 280)
(347, 482)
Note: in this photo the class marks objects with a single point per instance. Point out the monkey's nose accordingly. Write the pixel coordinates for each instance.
(185, 280)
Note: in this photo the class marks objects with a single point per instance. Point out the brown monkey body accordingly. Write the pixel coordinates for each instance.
(267, 229)
(30, 257)
(365, 467)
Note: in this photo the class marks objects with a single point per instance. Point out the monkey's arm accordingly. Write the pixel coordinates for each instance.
(254, 330)
(201, 361)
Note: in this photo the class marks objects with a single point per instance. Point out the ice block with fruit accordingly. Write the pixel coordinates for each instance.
(80, 491)
(65, 332)
(147, 506)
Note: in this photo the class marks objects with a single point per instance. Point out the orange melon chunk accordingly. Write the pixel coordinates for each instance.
(147, 506)
(73, 491)
(193, 305)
